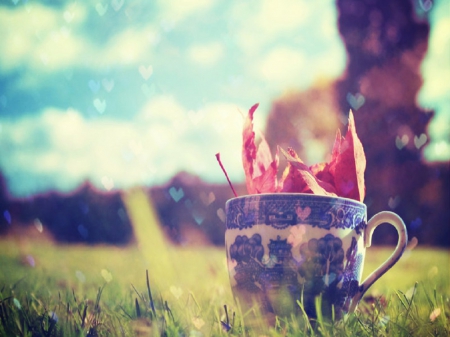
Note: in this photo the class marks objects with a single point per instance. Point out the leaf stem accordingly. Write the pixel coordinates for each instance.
(226, 175)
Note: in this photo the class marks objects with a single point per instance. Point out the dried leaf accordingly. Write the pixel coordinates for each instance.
(343, 175)
(249, 150)
(322, 172)
(259, 168)
(263, 157)
(329, 171)
(291, 181)
(298, 178)
(336, 147)
(348, 170)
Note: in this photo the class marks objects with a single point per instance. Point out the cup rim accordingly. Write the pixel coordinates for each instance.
(310, 195)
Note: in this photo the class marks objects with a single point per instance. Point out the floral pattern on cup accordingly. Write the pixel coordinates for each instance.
(320, 272)
(280, 212)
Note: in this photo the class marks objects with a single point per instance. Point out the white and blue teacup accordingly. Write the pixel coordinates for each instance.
(285, 251)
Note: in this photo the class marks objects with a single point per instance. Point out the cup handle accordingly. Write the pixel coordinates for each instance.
(378, 219)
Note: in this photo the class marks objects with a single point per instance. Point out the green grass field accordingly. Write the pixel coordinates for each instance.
(48, 289)
(190, 292)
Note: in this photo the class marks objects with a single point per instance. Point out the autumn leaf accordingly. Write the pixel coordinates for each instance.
(348, 169)
(298, 178)
(259, 168)
(342, 176)
(325, 171)
(322, 172)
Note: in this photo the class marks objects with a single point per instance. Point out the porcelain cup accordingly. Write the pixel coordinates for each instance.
(288, 253)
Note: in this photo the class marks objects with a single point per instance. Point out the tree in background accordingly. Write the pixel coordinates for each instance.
(305, 121)
(386, 42)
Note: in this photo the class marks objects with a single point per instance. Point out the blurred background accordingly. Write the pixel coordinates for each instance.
(100, 99)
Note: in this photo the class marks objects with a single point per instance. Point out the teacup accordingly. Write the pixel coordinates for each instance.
(288, 252)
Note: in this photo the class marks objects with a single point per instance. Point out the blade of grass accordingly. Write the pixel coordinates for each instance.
(319, 314)
(305, 317)
(83, 318)
(138, 309)
(411, 301)
(138, 293)
(125, 312)
(150, 294)
(166, 305)
(97, 301)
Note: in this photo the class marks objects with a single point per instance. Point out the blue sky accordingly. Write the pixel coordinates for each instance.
(435, 91)
(124, 93)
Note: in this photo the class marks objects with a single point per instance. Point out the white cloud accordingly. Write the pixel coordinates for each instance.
(130, 46)
(206, 54)
(282, 66)
(44, 39)
(258, 23)
(289, 45)
(328, 65)
(178, 10)
(38, 37)
(62, 148)
(275, 18)
(285, 67)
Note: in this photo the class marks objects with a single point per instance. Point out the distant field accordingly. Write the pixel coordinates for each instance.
(85, 268)
(80, 267)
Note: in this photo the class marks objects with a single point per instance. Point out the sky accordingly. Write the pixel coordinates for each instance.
(125, 93)
(435, 91)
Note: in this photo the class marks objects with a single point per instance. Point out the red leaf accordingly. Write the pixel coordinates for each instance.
(322, 172)
(298, 178)
(263, 157)
(326, 171)
(259, 168)
(249, 150)
(292, 181)
(267, 182)
(343, 175)
(335, 153)
(350, 165)
(336, 147)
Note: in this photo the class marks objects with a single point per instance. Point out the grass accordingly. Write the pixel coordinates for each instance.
(103, 291)
(152, 288)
